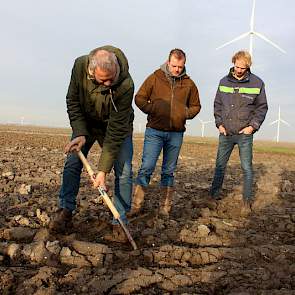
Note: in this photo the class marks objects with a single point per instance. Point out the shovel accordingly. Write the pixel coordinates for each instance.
(106, 199)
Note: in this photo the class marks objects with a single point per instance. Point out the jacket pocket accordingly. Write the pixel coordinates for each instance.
(248, 99)
(179, 114)
(244, 115)
(160, 107)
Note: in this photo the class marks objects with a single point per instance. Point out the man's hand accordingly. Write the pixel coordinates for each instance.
(75, 145)
(247, 130)
(222, 130)
(100, 180)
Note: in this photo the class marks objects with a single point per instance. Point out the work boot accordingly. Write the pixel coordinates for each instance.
(212, 201)
(166, 200)
(118, 235)
(62, 221)
(137, 201)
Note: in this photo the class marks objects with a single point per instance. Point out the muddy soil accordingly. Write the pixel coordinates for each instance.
(201, 248)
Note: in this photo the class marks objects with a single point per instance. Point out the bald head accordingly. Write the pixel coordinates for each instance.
(102, 59)
(103, 65)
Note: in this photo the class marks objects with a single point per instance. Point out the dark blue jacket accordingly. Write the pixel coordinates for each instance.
(240, 103)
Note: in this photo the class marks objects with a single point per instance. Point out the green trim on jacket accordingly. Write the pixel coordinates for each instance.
(244, 90)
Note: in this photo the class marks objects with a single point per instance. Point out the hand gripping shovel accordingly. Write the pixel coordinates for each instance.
(107, 199)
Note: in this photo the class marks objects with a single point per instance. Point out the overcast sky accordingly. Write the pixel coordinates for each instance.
(41, 39)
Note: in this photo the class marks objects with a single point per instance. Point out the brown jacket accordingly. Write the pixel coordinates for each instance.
(168, 101)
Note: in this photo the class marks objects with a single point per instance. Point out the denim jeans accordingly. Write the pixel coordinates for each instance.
(123, 178)
(154, 142)
(225, 147)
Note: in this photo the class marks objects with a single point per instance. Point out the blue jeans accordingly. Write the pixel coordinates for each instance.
(154, 142)
(225, 147)
(123, 178)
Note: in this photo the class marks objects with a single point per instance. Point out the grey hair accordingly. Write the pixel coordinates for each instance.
(103, 59)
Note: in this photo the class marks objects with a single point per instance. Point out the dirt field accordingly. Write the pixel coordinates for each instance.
(199, 249)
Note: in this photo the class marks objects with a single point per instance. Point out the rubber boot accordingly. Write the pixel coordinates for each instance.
(166, 200)
(62, 221)
(137, 201)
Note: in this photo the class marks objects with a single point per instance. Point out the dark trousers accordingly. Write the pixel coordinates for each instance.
(225, 147)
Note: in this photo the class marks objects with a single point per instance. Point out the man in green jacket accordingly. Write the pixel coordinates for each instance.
(99, 105)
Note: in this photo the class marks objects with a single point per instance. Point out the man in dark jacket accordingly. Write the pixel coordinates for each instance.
(240, 107)
(99, 105)
(169, 97)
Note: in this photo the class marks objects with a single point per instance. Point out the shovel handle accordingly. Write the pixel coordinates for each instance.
(107, 199)
(105, 196)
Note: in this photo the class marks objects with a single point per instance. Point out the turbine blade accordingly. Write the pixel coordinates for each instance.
(269, 41)
(286, 123)
(234, 40)
(273, 122)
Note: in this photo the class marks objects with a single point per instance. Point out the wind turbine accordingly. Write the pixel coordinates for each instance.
(278, 121)
(203, 123)
(251, 33)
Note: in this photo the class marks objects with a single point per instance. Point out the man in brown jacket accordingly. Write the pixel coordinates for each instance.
(169, 97)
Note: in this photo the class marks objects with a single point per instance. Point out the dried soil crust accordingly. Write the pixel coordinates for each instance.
(199, 249)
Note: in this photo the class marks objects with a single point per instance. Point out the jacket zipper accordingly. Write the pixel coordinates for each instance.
(172, 98)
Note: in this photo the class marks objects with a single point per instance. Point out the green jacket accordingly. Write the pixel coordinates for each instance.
(103, 112)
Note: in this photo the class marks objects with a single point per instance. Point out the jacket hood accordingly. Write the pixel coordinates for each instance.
(231, 77)
(164, 68)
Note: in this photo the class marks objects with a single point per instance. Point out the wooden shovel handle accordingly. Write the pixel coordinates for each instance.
(104, 195)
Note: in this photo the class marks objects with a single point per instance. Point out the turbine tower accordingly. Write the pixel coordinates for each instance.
(203, 123)
(251, 34)
(278, 121)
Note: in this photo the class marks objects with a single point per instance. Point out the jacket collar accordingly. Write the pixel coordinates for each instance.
(164, 68)
(231, 77)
